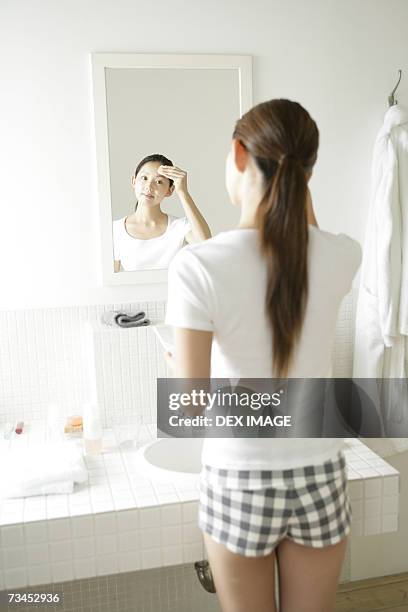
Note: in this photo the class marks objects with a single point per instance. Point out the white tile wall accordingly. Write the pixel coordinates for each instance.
(43, 361)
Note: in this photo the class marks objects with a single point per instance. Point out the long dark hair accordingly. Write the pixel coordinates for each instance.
(283, 140)
(155, 157)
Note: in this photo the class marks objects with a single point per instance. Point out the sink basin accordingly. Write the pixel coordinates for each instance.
(171, 460)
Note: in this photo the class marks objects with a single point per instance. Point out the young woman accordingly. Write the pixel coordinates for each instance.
(261, 301)
(149, 238)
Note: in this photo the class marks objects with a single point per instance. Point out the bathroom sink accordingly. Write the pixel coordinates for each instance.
(171, 460)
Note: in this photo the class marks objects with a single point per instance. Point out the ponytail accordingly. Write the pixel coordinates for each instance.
(283, 232)
(283, 140)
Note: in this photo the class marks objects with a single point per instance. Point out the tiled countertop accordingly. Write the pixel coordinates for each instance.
(122, 521)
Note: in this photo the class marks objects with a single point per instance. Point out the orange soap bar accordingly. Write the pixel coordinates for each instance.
(74, 421)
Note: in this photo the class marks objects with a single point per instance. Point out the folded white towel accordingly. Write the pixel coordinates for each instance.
(42, 470)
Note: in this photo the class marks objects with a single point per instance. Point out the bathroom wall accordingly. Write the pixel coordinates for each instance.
(340, 59)
(43, 361)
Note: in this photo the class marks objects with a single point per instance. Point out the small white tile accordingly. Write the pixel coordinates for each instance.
(105, 523)
(149, 517)
(39, 574)
(12, 536)
(373, 487)
(127, 520)
(187, 495)
(35, 532)
(391, 504)
(170, 514)
(99, 492)
(84, 568)
(61, 551)
(56, 512)
(171, 535)
(151, 558)
(357, 507)
(129, 541)
(191, 533)
(372, 525)
(37, 553)
(391, 485)
(389, 523)
(80, 510)
(106, 544)
(367, 472)
(129, 561)
(62, 571)
(99, 507)
(83, 547)
(16, 577)
(357, 528)
(172, 555)
(1, 581)
(355, 490)
(106, 564)
(150, 537)
(372, 507)
(82, 527)
(14, 557)
(59, 529)
(146, 502)
(169, 498)
(124, 503)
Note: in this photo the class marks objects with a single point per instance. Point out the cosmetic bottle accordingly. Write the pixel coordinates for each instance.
(92, 429)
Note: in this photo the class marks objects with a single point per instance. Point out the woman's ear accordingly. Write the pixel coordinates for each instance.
(170, 191)
(239, 154)
(133, 181)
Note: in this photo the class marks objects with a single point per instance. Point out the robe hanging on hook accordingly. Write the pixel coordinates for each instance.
(391, 100)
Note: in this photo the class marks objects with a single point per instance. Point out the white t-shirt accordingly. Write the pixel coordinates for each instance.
(137, 254)
(219, 286)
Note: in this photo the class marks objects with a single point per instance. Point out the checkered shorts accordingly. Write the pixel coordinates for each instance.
(250, 512)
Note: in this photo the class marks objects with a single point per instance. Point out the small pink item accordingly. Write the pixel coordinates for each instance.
(19, 427)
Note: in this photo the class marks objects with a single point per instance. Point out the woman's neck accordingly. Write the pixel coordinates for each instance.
(149, 216)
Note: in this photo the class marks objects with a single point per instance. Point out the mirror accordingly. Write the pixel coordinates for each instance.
(182, 107)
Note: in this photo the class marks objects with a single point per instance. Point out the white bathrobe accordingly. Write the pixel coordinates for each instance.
(381, 337)
(382, 306)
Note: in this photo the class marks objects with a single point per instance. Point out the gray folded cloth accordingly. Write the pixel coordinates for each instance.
(124, 319)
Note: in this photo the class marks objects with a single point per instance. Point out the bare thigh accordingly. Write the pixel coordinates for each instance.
(242, 583)
(308, 577)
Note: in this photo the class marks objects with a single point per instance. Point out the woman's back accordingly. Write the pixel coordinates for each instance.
(219, 286)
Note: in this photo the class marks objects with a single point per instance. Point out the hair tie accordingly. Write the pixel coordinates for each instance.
(287, 156)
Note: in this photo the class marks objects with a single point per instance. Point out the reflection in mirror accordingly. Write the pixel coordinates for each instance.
(149, 238)
(163, 131)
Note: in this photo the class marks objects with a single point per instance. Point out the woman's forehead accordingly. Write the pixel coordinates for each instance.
(150, 168)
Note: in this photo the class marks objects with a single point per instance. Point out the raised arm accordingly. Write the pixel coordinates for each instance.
(199, 227)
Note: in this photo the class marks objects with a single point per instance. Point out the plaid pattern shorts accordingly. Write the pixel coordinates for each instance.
(251, 511)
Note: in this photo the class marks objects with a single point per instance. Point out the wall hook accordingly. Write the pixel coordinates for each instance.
(391, 100)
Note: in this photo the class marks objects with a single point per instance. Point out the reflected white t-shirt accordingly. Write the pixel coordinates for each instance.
(219, 286)
(137, 254)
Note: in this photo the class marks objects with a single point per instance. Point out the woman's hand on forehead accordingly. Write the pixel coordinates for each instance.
(177, 175)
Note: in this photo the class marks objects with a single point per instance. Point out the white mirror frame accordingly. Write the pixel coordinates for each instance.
(101, 61)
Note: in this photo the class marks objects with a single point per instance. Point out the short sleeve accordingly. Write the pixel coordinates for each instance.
(184, 226)
(190, 302)
(116, 240)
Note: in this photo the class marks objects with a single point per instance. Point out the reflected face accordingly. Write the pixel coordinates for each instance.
(149, 186)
